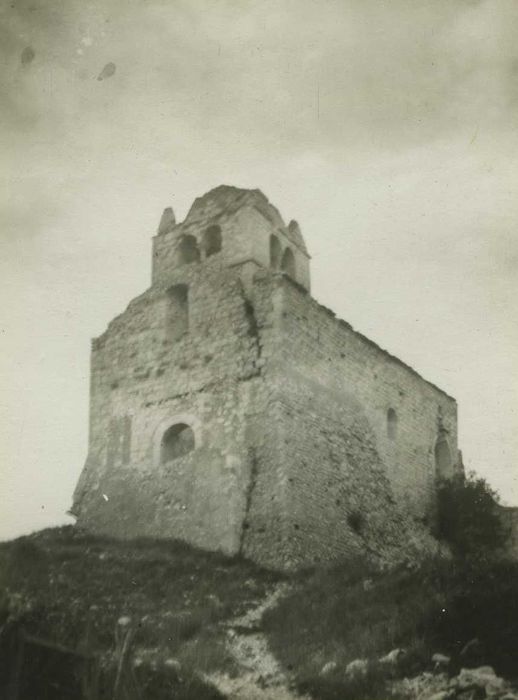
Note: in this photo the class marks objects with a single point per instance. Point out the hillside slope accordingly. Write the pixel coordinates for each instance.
(164, 620)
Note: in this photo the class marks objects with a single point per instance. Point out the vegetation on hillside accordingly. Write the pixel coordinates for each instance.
(468, 517)
(65, 585)
(351, 611)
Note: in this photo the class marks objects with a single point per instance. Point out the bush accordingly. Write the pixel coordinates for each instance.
(480, 602)
(351, 611)
(468, 517)
(443, 604)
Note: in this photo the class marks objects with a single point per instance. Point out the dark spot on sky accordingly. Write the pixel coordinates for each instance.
(107, 71)
(27, 55)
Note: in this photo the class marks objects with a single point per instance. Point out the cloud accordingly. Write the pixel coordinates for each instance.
(386, 129)
(339, 76)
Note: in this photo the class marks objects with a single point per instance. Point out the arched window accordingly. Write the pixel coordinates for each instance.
(275, 252)
(177, 441)
(212, 240)
(391, 424)
(187, 251)
(288, 263)
(177, 317)
(443, 460)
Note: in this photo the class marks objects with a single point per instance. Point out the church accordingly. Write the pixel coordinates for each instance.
(231, 410)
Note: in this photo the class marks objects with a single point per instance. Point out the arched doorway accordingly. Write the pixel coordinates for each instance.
(443, 458)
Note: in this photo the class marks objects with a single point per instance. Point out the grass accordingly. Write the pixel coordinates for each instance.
(351, 612)
(61, 583)
(173, 590)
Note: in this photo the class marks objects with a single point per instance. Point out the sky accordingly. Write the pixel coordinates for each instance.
(387, 129)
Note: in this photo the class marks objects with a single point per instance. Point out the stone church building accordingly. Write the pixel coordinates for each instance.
(231, 410)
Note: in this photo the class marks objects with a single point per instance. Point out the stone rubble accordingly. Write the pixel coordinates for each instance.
(357, 668)
(469, 684)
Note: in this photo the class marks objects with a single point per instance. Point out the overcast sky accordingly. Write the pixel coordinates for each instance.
(387, 129)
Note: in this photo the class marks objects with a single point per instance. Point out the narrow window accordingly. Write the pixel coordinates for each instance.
(212, 241)
(177, 320)
(187, 251)
(126, 440)
(391, 424)
(288, 263)
(443, 460)
(275, 252)
(177, 441)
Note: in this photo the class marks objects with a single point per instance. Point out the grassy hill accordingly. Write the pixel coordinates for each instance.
(177, 608)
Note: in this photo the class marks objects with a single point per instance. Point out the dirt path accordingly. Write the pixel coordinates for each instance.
(260, 675)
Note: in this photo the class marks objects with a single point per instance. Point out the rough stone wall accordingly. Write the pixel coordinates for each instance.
(141, 383)
(344, 485)
(341, 362)
(293, 462)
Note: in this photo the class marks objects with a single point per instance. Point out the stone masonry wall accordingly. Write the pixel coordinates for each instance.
(295, 460)
(345, 484)
(293, 465)
(331, 355)
(142, 382)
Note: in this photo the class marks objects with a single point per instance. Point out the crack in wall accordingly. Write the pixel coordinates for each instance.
(182, 395)
(252, 482)
(253, 332)
(253, 325)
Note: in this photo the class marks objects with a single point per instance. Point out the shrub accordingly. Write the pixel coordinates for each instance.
(479, 602)
(468, 517)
